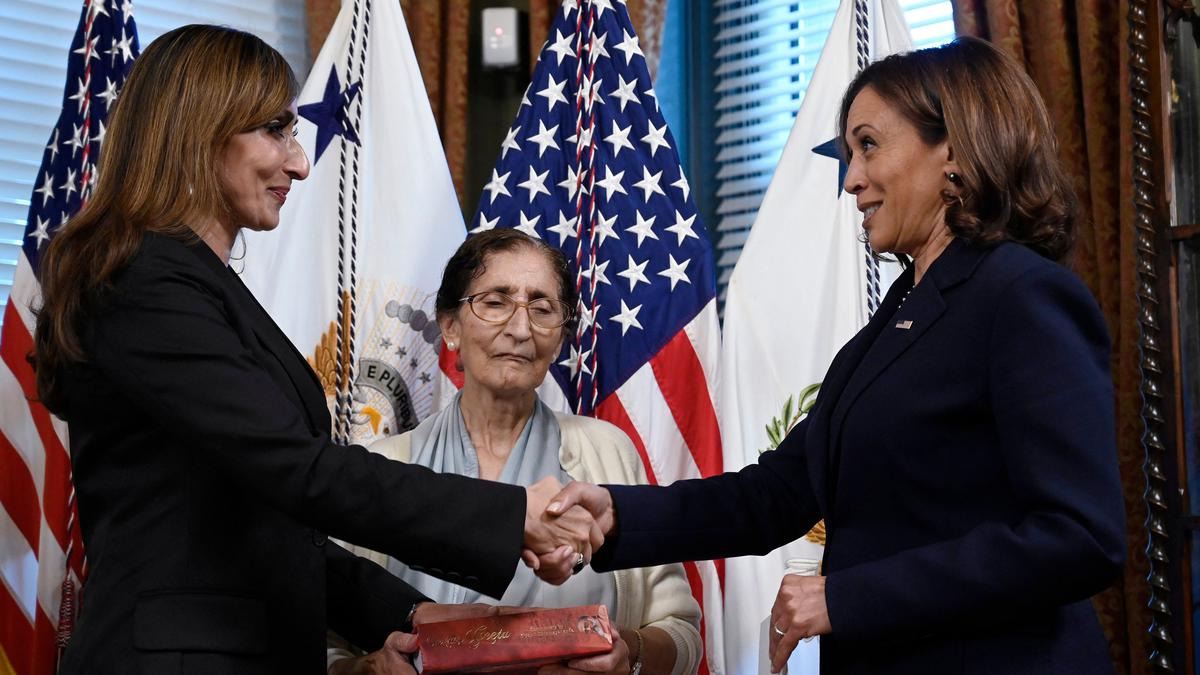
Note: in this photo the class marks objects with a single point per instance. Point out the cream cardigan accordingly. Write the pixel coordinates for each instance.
(595, 451)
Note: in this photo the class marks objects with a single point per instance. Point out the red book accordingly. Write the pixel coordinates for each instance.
(513, 642)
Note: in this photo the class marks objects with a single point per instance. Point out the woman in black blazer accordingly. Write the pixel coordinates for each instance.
(207, 483)
(962, 449)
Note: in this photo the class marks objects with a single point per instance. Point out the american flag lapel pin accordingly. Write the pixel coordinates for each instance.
(904, 324)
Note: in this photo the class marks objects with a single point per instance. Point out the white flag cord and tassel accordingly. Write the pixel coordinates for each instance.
(347, 256)
(862, 49)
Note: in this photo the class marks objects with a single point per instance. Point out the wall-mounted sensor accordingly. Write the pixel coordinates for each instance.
(501, 38)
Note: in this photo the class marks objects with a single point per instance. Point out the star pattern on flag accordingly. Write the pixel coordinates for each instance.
(649, 184)
(99, 59)
(565, 228)
(627, 317)
(657, 138)
(496, 186)
(643, 228)
(635, 273)
(832, 149)
(510, 141)
(553, 93)
(619, 138)
(544, 138)
(332, 114)
(630, 47)
(590, 167)
(535, 184)
(562, 47)
(625, 91)
(676, 271)
(485, 224)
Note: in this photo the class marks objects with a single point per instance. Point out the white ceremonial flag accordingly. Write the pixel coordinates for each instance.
(362, 243)
(799, 292)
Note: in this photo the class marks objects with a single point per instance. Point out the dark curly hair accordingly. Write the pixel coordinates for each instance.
(1012, 185)
(470, 262)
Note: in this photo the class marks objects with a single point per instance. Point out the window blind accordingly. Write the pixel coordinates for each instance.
(766, 51)
(34, 38)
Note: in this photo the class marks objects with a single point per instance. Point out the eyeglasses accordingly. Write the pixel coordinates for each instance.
(497, 307)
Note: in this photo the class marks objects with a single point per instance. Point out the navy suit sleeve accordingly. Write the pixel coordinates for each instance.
(169, 344)
(751, 512)
(1052, 401)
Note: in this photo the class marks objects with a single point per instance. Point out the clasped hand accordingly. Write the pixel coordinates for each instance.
(556, 538)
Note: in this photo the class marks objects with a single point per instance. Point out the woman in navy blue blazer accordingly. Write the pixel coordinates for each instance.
(962, 450)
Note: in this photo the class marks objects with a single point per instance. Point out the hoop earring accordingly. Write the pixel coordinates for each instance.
(238, 258)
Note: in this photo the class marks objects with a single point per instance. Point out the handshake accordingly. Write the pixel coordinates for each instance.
(564, 526)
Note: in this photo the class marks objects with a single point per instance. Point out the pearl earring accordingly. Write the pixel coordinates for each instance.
(451, 345)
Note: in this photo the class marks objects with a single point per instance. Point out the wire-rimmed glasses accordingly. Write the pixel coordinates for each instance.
(497, 307)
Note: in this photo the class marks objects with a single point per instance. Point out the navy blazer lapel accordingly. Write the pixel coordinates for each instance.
(839, 373)
(896, 329)
(303, 380)
(900, 328)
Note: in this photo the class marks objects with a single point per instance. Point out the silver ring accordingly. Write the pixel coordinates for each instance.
(777, 631)
(579, 564)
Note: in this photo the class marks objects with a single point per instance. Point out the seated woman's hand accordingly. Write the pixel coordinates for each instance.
(616, 662)
(799, 612)
(433, 612)
(391, 659)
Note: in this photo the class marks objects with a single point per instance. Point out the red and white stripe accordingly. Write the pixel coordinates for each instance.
(35, 475)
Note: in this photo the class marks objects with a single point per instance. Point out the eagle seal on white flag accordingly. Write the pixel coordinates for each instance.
(352, 271)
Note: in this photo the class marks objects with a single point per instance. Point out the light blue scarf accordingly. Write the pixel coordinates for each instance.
(443, 444)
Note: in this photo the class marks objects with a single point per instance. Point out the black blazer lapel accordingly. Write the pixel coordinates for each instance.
(302, 378)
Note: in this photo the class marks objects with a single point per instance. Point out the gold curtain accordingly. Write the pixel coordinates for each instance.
(648, 16)
(1077, 52)
(439, 30)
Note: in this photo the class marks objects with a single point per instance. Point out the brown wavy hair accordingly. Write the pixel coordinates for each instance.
(1012, 186)
(189, 92)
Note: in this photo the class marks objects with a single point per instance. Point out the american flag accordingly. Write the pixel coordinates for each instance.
(41, 554)
(590, 167)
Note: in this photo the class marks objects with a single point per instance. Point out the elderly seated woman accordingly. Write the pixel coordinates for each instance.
(505, 305)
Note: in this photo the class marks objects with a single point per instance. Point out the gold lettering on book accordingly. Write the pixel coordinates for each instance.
(543, 632)
(475, 637)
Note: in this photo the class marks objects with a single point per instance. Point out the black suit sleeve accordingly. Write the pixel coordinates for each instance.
(365, 601)
(751, 512)
(1052, 399)
(168, 341)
